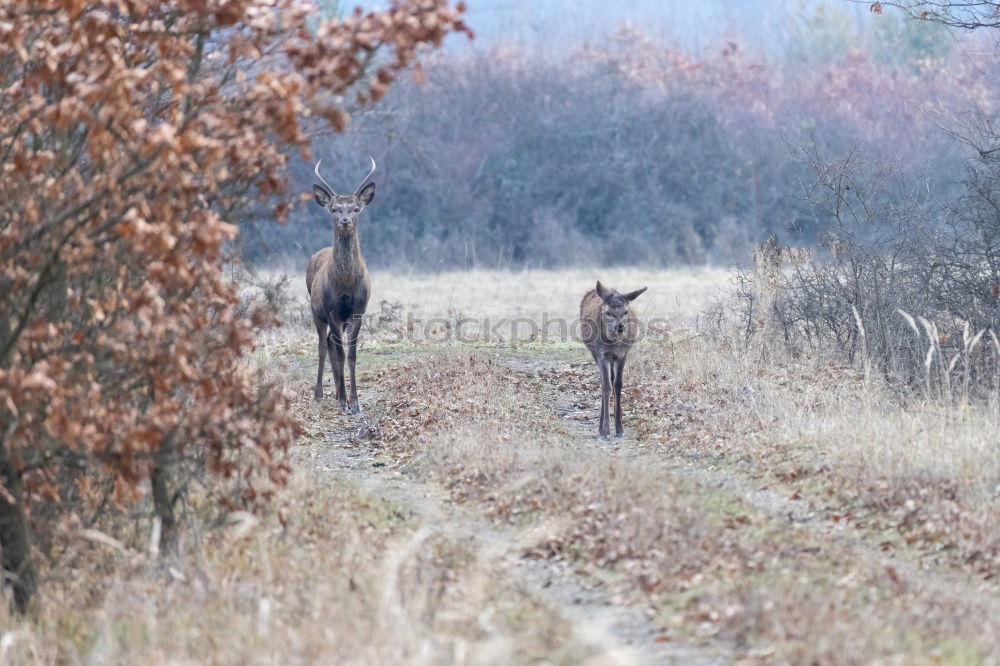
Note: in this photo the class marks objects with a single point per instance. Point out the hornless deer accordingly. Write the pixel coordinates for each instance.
(609, 328)
(338, 284)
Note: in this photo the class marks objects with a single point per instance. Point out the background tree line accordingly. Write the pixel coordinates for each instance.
(636, 150)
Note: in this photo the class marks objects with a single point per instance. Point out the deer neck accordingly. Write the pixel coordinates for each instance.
(347, 259)
(346, 249)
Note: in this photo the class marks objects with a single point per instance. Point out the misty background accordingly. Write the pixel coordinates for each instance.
(651, 133)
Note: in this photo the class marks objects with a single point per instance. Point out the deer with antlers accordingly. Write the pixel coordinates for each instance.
(338, 284)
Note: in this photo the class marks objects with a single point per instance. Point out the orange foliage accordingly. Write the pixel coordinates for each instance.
(133, 135)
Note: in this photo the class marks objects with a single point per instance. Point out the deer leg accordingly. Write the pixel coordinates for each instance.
(605, 367)
(321, 332)
(332, 351)
(619, 368)
(337, 361)
(353, 332)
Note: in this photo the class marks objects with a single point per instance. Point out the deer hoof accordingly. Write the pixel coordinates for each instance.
(343, 408)
(619, 433)
(318, 394)
(355, 409)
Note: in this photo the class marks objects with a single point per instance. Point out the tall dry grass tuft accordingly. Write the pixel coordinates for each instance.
(941, 381)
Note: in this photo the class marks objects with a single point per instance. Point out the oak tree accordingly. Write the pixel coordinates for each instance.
(133, 135)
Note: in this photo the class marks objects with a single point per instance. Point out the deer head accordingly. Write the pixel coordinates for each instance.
(615, 310)
(344, 208)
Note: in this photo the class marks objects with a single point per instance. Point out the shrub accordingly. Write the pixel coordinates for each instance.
(132, 137)
(901, 286)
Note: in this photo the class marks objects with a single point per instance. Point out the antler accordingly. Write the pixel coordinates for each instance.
(316, 170)
(368, 177)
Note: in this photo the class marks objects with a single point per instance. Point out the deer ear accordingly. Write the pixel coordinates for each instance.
(632, 295)
(322, 195)
(602, 291)
(366, 194)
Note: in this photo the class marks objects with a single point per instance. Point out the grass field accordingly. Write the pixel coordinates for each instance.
(757, 512)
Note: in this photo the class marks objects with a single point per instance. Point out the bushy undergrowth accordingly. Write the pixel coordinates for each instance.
(906, 290)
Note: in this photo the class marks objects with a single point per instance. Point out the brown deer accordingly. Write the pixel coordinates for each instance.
(609, 329)
(338, 284)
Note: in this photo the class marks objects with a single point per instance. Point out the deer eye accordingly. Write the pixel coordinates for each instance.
(357, 210)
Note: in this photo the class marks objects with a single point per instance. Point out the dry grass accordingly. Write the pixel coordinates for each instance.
(919, 473)
(829, 409)
(911, 479)
(901, 502)
(711, 565)
(678, 296)
(339, 576)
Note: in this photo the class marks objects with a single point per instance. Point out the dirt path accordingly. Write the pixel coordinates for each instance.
(613, 634)
(579, 419)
